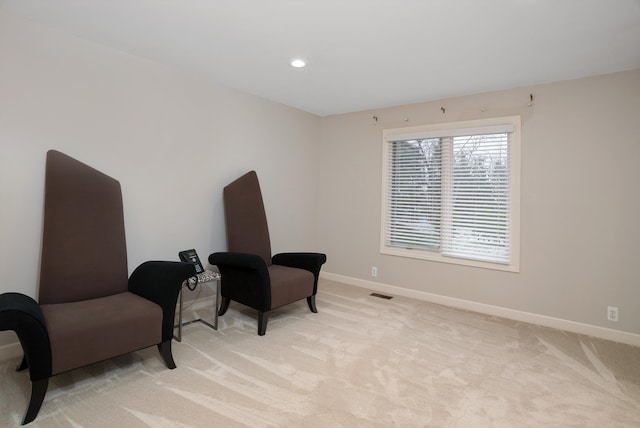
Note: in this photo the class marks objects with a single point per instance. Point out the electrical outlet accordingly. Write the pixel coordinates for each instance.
(374, 271)
(612, 313)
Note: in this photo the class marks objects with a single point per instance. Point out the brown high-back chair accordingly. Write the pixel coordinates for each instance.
(89, 310)
(250, 275)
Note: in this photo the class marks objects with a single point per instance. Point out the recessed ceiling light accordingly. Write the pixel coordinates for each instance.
(298, 63)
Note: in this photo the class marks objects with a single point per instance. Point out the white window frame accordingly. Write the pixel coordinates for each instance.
(472, 127)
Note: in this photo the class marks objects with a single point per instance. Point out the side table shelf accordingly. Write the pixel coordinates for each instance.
(194, 281)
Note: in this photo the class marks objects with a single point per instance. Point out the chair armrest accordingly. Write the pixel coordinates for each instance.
(23, 315)
(308, 261)
(244, 278)
(161, 282)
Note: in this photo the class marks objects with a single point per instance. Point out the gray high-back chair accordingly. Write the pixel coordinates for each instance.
(89, 310)
(250, 275)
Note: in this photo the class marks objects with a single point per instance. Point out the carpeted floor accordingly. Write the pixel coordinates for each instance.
(361, 361)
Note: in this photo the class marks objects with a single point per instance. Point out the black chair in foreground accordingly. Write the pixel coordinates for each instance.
(89, 310)
(250, 275)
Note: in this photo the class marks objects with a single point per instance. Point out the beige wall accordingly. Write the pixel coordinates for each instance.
(172, 139)
(580, 230)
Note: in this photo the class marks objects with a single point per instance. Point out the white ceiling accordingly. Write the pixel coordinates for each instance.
(362, 54)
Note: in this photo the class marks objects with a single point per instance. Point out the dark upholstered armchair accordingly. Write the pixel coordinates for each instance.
(88, 310)
(249, 274)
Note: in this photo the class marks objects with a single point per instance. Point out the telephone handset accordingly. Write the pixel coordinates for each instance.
(190, 256)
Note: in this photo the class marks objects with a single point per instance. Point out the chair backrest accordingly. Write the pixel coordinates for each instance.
(245, 218)
(84, 253)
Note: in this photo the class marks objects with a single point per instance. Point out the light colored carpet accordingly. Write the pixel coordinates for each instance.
(360, 362)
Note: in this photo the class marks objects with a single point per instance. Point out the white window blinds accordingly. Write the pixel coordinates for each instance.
(415, 194)
(476, 194)
(449, 192)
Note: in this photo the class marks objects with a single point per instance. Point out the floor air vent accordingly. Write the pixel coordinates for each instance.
(382, 296)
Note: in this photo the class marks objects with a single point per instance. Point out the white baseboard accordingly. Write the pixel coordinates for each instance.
(543, 320)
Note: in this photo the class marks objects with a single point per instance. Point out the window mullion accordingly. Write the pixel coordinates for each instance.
(446, 221)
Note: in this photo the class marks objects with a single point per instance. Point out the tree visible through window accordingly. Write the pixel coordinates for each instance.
(452, 195)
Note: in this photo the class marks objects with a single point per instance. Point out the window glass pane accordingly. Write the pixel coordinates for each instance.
(413, 219)
(479, 224)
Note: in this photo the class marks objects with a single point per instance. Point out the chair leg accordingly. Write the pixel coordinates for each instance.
(38, 391)
(311, 301)
(224, 305)
(263, 318)
(165, 352)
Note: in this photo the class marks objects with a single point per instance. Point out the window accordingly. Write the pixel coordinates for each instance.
(451, 193)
